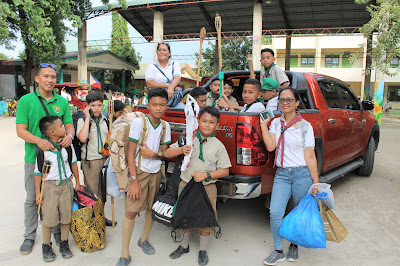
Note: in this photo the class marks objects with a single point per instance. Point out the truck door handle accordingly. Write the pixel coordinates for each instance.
(331, 120)
(351, 119)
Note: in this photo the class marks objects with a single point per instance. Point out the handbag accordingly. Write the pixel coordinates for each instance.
(334, 229)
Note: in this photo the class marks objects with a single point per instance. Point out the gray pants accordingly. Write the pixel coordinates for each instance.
(30, 208)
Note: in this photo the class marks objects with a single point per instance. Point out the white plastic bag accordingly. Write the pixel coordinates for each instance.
(191, 112)
(111, 180)
(324, 187)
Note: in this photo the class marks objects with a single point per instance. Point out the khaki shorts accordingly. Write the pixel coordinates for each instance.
(92, 174)
(211, 190)
(150, 185)
(57, 203)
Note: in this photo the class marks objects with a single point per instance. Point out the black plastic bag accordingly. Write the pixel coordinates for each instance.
(194, 209)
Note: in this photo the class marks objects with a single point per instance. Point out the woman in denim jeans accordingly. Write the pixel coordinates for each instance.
(293, 139)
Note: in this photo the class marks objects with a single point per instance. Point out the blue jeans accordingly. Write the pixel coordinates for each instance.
(288, 182)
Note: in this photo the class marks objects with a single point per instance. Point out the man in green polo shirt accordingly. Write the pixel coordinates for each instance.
(29, 112)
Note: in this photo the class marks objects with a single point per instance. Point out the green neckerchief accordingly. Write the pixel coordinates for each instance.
(259, 100)
(201, 140)
(60, 161)
(99, 140)
(215, 98)
(269, 69)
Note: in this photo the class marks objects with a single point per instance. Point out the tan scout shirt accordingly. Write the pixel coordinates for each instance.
(210, 100)
(93, 149)
(215, 158)
(233, 100)
(276, 72)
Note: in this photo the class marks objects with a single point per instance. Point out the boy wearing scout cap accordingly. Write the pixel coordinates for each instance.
(270, 93)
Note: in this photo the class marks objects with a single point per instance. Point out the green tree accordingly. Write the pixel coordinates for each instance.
(384, 25)
(122, 47)
(4, 57)
(233, 56)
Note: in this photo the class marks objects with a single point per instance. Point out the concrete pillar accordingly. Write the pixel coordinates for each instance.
(82, 54)
(123, 81)
(367, 62)
(16, 81)
(158, 30)
(288, 52)
(61, 75)
(318, 55)
(257, 35)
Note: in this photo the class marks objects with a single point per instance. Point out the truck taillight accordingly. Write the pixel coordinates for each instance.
(250, 149)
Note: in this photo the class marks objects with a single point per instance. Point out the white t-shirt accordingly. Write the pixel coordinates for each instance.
(152, 73)
(52, 157)
(272, 104)
(255, 107)
(149, 165)
(294, 147)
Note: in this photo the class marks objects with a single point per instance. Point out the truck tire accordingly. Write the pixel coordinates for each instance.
(368, 159)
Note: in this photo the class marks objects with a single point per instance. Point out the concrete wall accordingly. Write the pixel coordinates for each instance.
(7, 85)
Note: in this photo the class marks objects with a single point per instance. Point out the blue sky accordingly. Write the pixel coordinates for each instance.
(100, 28)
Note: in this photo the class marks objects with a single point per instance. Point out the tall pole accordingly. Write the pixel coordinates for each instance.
(257, 35)
(82, 53)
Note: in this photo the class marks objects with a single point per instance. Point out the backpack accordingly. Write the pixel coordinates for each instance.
(76, 142)
(119, 140)
(40, 157)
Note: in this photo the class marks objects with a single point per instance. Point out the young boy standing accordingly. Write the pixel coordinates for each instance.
(145, 182)
(58, 190)
(272, 70)
(251, 96)
(209, 162)
(92, 132)
(213, 95)
(270, 93)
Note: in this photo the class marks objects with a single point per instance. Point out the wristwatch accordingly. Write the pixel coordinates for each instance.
(70, 135)
(208, 179)
(227, 108)
(132, 178)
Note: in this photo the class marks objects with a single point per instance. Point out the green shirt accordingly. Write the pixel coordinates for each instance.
(30, 111)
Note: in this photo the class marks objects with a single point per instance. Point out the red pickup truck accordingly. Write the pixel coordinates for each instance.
(346, 134)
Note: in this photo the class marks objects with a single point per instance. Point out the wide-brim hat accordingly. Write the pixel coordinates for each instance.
(269, 84)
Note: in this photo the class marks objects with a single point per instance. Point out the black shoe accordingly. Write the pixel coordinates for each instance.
(57, 238)
(109, 222)
(64, 250)
(123, 261)
(26, 247)
(203, 258)
(177, 253)
(48, 253)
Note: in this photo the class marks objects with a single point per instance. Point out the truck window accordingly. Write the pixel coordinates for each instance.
(330, 94)
(349, 100)
(305, 101)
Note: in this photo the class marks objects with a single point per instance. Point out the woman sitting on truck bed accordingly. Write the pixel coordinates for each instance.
(293, 139)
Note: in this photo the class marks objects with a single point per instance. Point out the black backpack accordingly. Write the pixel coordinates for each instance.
(166, 198)
(40, 157)
(76, 142)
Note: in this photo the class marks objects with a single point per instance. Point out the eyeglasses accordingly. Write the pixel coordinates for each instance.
(288, 100)
(48, 65)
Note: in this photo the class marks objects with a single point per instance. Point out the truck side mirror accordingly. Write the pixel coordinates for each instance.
(367, 105)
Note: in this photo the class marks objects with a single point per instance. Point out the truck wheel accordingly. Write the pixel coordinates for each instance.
(368, 159)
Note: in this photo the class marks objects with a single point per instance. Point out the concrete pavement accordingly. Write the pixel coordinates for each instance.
(368, 207)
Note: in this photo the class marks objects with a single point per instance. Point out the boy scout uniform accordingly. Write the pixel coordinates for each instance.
(215, 158)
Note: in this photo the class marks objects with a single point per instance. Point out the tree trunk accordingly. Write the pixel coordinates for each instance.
(28, 70)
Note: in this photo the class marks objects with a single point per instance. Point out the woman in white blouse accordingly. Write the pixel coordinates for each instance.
(293, 139)
(165, 73)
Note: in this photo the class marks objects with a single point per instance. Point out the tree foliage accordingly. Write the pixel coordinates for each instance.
(233, 56)
(385, 28)
(4, 57)
(122, 47)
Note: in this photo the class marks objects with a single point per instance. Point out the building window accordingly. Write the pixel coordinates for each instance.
(331, 61)
(307, 60)
(346, 61)
(294, 60)
(395, 62)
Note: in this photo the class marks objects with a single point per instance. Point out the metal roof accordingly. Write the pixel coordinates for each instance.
(188, 16)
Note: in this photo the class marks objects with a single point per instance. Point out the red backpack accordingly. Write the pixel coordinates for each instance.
(85, 197)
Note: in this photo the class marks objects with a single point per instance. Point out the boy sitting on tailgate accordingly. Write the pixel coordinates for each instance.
(58, 190)
(228, 102)
(251, 96)
(209, 162)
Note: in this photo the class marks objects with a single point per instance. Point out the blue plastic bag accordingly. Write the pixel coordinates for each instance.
(303, 225)
(111, 180)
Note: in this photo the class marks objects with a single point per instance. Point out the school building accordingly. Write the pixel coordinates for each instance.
(332, 56)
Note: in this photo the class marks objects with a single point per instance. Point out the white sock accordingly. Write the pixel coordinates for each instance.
(185, 241)
(203, 242)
